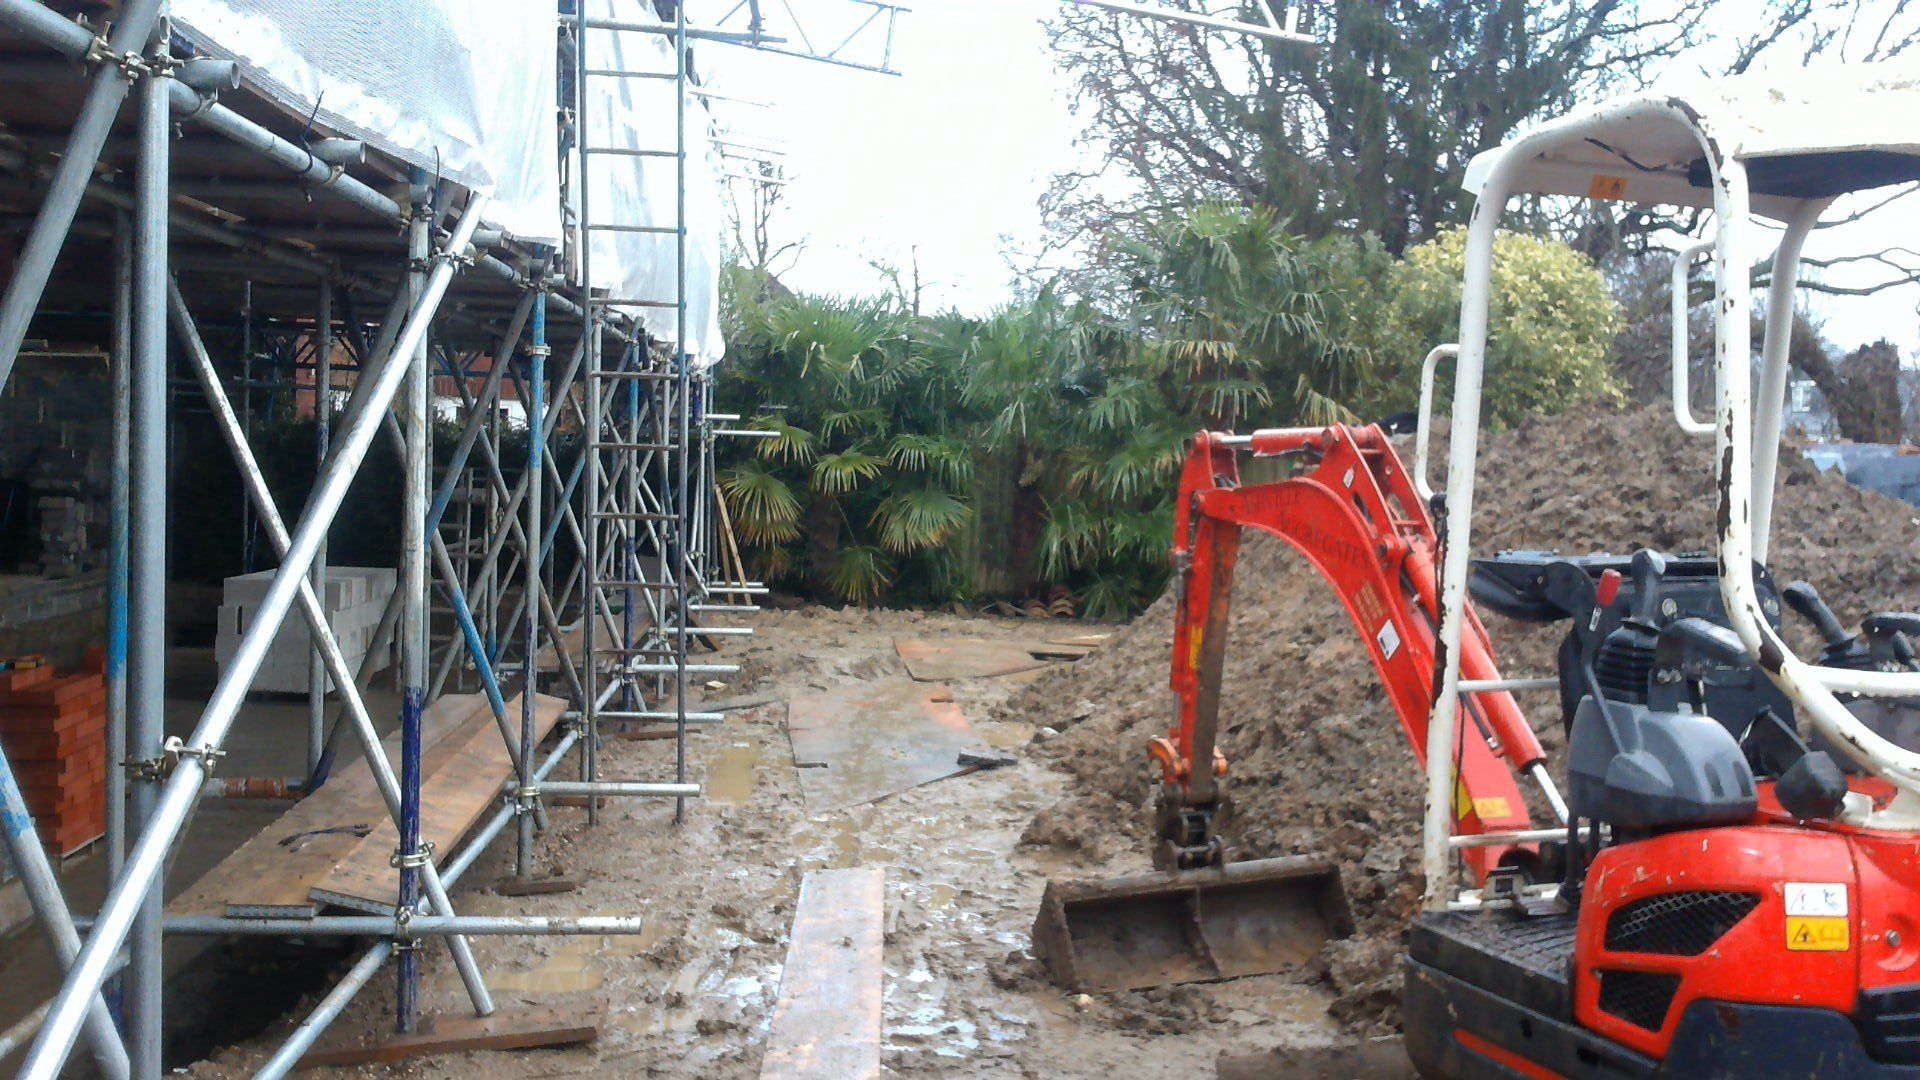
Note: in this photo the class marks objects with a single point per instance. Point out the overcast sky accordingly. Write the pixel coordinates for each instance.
(949, 158)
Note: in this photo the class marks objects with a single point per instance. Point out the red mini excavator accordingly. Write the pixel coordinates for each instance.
(1703, 917)
(1730, 885)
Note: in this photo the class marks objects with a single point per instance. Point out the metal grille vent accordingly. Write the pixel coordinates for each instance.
(1624, 669)
(1677, 924)
(1640, 998)
(1889, 1022)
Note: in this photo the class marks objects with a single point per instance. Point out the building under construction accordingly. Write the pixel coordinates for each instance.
(470, 253)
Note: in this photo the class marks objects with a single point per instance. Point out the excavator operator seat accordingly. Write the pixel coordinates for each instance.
(1633, 766)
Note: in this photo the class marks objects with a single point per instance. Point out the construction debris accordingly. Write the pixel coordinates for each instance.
(516, 1029)
(986, 758)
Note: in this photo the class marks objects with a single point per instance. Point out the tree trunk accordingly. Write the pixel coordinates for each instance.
(1862, 390)
(1029, 515)
(823, 542)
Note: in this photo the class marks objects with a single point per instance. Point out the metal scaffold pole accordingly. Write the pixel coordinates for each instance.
(414, 412)
(110, 82)
(118, 495)
(590, 341)
(147, 558)
(322, 433)
(683, 388)
(528, 795)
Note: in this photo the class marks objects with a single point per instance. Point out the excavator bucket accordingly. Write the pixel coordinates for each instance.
(1179, 926)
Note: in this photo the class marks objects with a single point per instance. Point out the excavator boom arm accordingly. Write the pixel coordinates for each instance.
(1352, 512)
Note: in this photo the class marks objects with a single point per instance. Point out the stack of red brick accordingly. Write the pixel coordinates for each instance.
(54, 729)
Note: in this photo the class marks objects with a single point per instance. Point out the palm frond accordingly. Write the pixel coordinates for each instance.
(839, 421)
(948, 458)
(838, 474)
(1071, 537)
(790, 443)
(918, 519)
(860, 574)
(1110, 597)
(761, 503)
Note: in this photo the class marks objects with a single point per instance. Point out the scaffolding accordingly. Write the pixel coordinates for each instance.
(589, 570)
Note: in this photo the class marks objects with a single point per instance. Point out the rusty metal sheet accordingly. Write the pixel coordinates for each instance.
(937, 660)
(826, 1023)
(858, 743)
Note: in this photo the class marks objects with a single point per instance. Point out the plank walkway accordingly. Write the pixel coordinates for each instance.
(826, 1023)
(332, 848)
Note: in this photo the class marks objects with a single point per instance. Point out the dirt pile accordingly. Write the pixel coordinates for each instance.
(1319, 761)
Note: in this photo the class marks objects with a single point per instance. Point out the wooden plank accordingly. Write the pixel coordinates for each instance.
(826, 1023)
(929, 660)
(732, 704)
(535, 887)
(1084, 641)
(273, 873)
(511, 1029)
(460, 783)
(574, 638)
(1059, 652)
(858, 743)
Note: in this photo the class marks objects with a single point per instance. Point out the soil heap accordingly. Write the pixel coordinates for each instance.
(1319, 760)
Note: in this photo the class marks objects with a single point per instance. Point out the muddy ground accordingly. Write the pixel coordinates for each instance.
(693, 995)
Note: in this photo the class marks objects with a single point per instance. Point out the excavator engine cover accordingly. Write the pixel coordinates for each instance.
(1179, 926)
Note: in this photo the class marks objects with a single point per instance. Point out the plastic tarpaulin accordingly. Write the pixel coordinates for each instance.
(460, 88)
(639, 114)
(466, 89)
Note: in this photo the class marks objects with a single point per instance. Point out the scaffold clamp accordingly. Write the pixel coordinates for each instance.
(526, 798)
(412, 860)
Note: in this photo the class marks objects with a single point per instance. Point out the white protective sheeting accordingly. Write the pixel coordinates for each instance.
(638, 114)
(461, 88)
(1644, 154)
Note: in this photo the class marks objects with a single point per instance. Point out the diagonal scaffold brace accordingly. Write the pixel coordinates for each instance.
(181, 790)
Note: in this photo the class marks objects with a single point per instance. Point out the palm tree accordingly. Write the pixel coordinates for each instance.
(859, 475)
(870, 473)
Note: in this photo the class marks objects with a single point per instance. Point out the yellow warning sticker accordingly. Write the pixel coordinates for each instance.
(1491, 809)
(1817, 933)
(1607, 187)
(1462, 802)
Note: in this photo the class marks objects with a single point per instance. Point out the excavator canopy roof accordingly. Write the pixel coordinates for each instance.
(1808, 134)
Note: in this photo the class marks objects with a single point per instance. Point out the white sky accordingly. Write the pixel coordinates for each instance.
(949, 159)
